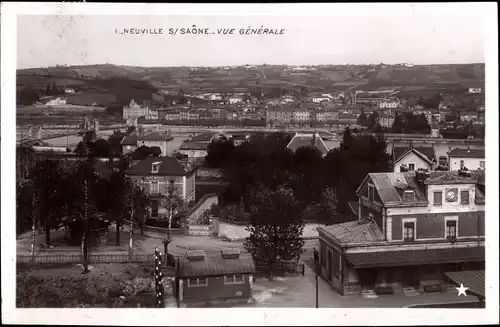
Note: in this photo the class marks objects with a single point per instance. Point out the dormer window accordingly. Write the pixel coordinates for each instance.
(409, 196)
(155, 167)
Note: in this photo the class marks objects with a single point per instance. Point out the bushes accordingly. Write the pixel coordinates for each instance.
(83, 291)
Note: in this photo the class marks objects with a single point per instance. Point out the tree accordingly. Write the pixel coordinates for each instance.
(137, 203)
(27, 96)
(49, 183)
(100, 149)
(173, 203)
(219, 153)
(114, 142)
(398, 124)
(81, 149)
(143, 152)
(276, 228)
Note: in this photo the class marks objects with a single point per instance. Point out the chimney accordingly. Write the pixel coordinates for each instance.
(233, 253)
(422, 175)
(195, 255)
(468, 149)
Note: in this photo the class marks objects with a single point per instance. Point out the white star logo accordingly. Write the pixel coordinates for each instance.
(461, 290)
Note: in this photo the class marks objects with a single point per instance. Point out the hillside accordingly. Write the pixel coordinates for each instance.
(142, 82)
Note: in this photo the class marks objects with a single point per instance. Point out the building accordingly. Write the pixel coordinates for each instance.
(388, 104)
(471, 159)
(326, 116)
(412, 229)
(281, 116)
(156, 174)
(214, 280)
(308, 140)
(172, 116)
(135, 110)
(475, 90)
(302, 116)
(68, 90)
(56, 102)
(129, 143)
(468, 116)
(161, 140)
(234, 100)
(435, 130)
(386, 120)
(347, 119)
(196, 147)
(413, 158)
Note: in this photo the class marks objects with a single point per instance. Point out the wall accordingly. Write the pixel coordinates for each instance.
(432, 226)
(209, 172)
(216, 289)
(367, 208)
(189, 187)
(470, 163)
(199, 230)
(194, 153)
(412, 158)
(237, 231)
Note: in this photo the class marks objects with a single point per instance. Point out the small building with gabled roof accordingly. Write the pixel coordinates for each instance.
(411, 158)
(204, 280)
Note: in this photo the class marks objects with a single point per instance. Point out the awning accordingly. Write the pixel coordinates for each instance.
(415, 257)
(474, 280)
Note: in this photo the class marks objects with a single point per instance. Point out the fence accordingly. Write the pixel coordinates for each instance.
(92, 258)
(281, 267)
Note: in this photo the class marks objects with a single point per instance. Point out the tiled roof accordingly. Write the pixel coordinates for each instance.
(305, 140)
(129, 140)
(415, 257)
(354, 232)
(425, 152)
(190, 145)
(169, 166)
(155, 136)
(216, 266)
(454, 177)
(389, 190)
(473, 279)
(467, 153)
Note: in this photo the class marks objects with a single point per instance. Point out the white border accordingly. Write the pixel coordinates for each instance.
(364, 316)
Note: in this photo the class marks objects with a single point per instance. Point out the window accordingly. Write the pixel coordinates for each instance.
(481, 164)
(411, 167)
(197, 282)
(155, 167)
(234, 279)
(370, 192)
(451, 229)
(464, 197)
(438, 198)
(155, 187)
(462, 164)
(409, 231)
(409, 196)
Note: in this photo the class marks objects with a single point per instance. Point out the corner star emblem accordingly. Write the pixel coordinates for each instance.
(461, 290)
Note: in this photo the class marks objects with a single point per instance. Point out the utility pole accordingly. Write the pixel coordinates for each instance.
(158, 280)
(317, 298)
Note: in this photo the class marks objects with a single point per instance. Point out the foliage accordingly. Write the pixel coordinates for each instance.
(143, 152)
(27, 96)
(219, 153)
(276, 227)
(410, 124)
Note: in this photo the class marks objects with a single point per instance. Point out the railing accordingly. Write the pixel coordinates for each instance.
(92, 258)
(199, 208)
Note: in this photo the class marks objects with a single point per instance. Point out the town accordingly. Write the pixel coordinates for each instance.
(361, 194)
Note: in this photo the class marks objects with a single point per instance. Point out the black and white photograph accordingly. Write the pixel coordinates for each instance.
(329, 157)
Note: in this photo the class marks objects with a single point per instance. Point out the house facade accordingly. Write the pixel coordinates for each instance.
(412, 229)
(413, 158)
(156, 139)
(203, 280)
(195, 150)
(157, 174)
(472, 159)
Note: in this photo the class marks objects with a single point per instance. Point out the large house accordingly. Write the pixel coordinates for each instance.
(196, 147)
(412, 229)
(308, 140)
(211, 280)
(413, 158)
(156, 174)
(135, 110)
(472, 159)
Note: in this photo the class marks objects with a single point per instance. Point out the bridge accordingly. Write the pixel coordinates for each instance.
(40, 133)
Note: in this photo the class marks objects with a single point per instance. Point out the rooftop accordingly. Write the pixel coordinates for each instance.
(425, 152)
(216, 265)
(307, 140)
(415, 257)
(129, 140)
(357, 231)
(194, 145)
(467, 153)
(156, 136)
(169, 166)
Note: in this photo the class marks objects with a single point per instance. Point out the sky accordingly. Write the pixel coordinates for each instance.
(307, 40)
